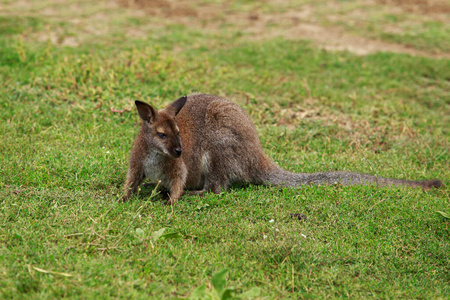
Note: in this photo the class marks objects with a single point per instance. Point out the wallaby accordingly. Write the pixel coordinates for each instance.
(207, 143)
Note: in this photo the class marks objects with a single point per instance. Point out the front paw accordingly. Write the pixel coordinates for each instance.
(170, 202)
(126, 197)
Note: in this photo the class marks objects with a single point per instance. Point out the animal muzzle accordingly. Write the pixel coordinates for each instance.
(177, 151)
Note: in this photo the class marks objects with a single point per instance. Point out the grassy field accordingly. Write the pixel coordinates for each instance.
(70, 72)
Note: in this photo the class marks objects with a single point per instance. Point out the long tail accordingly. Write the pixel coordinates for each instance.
(278, 176)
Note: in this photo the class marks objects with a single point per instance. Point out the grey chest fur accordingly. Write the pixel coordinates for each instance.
(153, 169)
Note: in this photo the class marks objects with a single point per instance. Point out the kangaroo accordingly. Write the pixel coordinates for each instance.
(207, 143)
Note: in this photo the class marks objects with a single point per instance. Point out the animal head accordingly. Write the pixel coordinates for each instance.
(161, 131)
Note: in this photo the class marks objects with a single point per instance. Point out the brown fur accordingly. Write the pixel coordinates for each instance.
(220, 148)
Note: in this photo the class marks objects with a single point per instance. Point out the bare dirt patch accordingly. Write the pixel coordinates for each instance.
(328, 38)
(162, 7)
(420, 6)
(306, 21)
(293, 24)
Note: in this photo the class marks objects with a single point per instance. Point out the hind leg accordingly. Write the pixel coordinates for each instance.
(215, 179)
(215, 185)
(209, 187)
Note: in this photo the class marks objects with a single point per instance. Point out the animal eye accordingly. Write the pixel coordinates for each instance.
(161, 135)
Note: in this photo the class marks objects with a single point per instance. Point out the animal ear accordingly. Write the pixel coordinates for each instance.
(175, 107)
(146, 112)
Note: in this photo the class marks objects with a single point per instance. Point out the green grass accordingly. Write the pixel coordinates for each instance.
(425, 35)
(64, 152)
(419, 28)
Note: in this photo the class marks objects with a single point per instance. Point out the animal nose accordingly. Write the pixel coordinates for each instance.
(178, 151)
